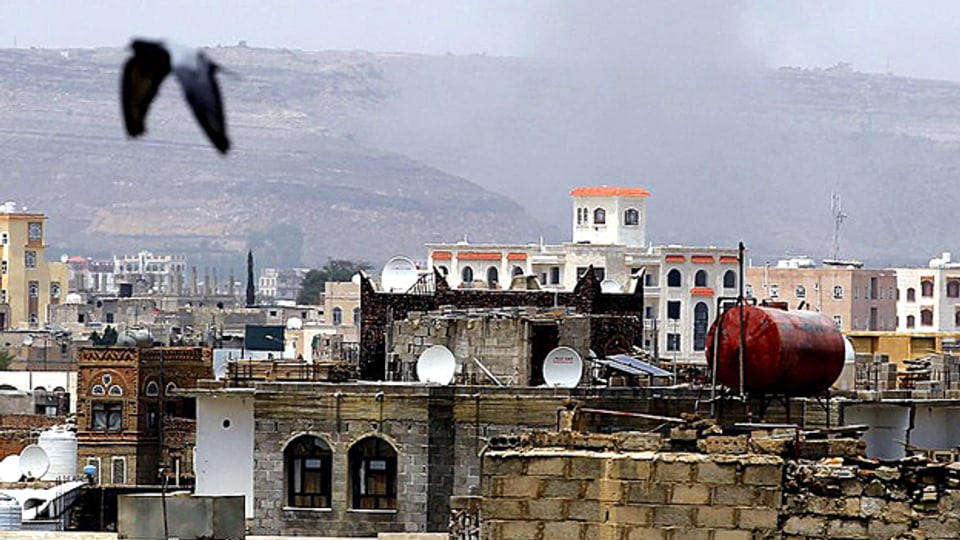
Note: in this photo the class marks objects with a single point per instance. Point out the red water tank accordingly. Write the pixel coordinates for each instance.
(796, 353)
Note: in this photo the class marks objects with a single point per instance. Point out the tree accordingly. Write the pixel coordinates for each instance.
(251, 291)
(6, 358)
(335, 270)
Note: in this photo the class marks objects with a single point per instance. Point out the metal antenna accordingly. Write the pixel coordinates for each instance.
(838, 218)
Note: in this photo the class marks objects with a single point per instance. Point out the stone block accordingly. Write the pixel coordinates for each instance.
(733, 495)
(879, 529)
(631, 469)
(584, 510)
(763, 475)
(724, 444)
(709, 472)
(681, 533)
(673, 471)
(606, 490)
(518, 530)
(845, 528)
(545, 509)
(872, 507)
(730, 534)
(499, 465)
(562, 529)
(939, 527)
(567, 489)
(768, 497)
(807, 526)
(647, 492)
(502, 508)
(546, 466)
(646, 534)
(673, 516)
(586, 467)
(632, 515)
(757, 518)
(526, 487)
(638, 442)
(690, 494)
(716, 517)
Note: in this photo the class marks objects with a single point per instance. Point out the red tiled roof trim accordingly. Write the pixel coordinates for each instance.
(703, 259)
(516, 256)
(701, 291)
(479, 255)
(442, 255)
(675, 258)
(728, 259)
(605, 191)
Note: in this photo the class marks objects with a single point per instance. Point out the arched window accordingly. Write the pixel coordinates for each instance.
(373, 475)
(517, 271)
(956, 319)
(953, 288)
(171, 386)
(493, 277)
(911, 295)
(926, 288)
(911, 321)
(466, 275)
(674, 278)
(152, 389)
(838, 292)
(631, 217)
(701, 316)
(599, 216)
(700, 278)
(307, 472)
(579, 216)
(800, 292)
(729, 279)
(926, 317)
(337, 316)
(356, 316)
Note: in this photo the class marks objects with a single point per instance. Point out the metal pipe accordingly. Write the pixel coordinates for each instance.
(635, 415)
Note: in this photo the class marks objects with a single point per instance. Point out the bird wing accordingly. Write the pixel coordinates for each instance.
(142, 75)
(203, 93)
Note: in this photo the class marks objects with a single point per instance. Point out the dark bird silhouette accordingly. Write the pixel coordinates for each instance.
(143, 73)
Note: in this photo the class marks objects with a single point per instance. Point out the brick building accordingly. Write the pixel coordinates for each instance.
(121, 394)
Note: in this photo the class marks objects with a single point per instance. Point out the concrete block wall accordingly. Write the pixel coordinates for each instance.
(561, 493)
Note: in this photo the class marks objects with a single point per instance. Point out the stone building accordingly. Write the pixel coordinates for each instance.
(380, 310)
(124, 398)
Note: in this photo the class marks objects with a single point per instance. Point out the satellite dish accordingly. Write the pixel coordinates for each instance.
(398, 275)
(64, 258)
(34, 461)
(28, 340)
(10, 469)
(294, 323)
(562, 367)
(610, 286)
(436, 365)
(849, 353)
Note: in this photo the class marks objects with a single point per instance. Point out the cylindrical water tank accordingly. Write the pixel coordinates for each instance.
(61, 447)
(796, 353)
(10, 513)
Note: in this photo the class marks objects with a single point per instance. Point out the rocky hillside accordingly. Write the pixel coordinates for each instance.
(354, 154)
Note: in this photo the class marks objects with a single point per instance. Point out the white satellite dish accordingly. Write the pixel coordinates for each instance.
(398, 275)
(294, 323)
(610, 286)
(436, 365)
(28, 340)
(34, 461)
(562, 367)
(10, 469)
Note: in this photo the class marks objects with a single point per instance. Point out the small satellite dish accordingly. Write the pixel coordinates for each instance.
(64, 258)
(436, 365)
(356, 278)
(610, 286)
(849, 353)
(398, 275)
(562, 367)
(34, 461)
(28, 340)
(294, 323)
(10, 469)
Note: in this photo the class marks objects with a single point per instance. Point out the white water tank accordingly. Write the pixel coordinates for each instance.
(61, 447)
(10, 513)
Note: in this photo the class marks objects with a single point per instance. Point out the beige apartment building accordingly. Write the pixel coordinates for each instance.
(28, 283)
(856, 298)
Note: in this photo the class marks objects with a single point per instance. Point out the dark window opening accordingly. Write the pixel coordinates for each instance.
(308, 464)
(373, 475)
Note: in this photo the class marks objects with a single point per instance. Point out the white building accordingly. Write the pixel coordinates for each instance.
(681, 284)
(158, 273)
(280, 284)
(928, 298)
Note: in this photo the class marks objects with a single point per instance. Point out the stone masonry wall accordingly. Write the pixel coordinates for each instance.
(581, 494)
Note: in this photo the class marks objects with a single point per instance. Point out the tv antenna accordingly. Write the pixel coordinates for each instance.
(838, 218)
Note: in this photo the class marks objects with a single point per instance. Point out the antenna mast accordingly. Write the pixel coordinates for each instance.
(838, 218)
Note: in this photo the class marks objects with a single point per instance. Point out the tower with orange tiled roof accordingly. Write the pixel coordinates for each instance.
(610, 215)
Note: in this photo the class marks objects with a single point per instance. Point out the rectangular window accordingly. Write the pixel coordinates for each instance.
(3, 267)
(34, 231)
(30, 259)
(555, 275)
(838, 321)
(107, 416)
(673, 342)
(648, 312)
(118, 470)
(673, 309)
(774, 291)
(95, 462)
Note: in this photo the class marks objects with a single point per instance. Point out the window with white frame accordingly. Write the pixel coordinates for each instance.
(30, 259)
(800, 292)
(774, 291)
(118, 470)
(838, 292)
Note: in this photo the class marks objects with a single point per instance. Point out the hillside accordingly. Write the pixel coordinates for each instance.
(355, 154)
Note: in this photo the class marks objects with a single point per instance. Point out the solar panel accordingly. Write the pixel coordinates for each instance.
(644, 367)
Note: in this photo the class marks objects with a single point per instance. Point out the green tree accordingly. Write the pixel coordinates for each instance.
(335, 270)
(6, 358)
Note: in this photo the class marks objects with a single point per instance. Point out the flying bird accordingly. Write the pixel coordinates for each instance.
(145, 70)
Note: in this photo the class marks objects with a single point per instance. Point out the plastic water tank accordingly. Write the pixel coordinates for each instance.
(61, 448)
(10, 514)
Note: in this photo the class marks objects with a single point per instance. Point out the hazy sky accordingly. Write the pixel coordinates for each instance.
(911, 38)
